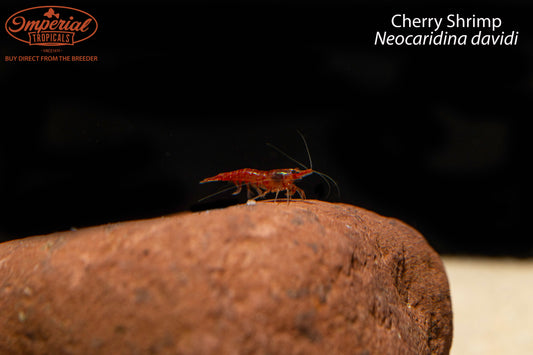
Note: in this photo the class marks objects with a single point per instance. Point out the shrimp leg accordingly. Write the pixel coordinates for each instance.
(262, 194)
(300, 192)
(257, 190)
(239, 189)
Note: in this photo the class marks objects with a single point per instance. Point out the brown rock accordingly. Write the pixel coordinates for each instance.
(306, 278)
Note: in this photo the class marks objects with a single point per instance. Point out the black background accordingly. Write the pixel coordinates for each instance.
(437, 136)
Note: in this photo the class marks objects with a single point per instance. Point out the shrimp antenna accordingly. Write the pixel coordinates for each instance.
(291, 158)
(217, 193)
(306, 149)
(326, 178)
(322, 175)
(287, 155)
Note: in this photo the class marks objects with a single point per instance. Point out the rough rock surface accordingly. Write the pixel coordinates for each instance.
(306, 278)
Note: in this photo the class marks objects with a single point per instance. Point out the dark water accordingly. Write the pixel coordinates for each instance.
(435, 135)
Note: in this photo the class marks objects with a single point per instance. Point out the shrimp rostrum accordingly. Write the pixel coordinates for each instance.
(271, 181)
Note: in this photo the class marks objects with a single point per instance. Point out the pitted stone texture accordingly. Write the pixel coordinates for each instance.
(305, 278)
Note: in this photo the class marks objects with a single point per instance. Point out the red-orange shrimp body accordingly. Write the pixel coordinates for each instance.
(265, 182)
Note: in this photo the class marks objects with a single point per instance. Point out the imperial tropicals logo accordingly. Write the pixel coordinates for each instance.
(51, 26)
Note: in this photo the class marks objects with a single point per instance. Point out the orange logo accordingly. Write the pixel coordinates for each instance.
(51, 26)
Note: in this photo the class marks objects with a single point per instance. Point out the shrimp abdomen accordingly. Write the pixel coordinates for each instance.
(238, 176)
